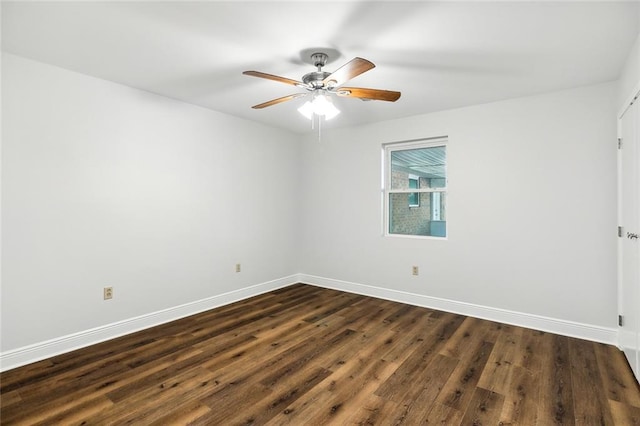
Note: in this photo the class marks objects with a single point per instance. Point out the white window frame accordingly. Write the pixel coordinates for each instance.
(387, 149)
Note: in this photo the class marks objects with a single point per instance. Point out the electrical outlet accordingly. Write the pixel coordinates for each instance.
(237, 267)
(108, 293)
(414, 270)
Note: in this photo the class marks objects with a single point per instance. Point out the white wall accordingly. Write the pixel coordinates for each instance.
(531, 207)
(104, 185)
(107, 185)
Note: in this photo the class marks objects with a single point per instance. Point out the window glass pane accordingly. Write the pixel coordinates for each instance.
(426, 165)
(420, 220)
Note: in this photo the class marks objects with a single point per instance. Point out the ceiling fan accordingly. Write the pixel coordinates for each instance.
(322, 84)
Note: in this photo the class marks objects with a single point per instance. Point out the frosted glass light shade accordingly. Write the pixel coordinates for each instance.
(306, 110)
(320, 105)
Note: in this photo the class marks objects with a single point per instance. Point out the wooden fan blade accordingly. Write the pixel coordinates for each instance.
(351, 69)
(278, 101)
(374, 94)
(275, 78)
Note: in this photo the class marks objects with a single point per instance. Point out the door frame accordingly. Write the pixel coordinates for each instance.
(634, 98)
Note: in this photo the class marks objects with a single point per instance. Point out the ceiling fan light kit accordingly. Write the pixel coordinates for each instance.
(321, 105)
(323, 84)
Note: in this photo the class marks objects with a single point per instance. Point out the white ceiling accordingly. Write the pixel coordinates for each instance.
(440, 55)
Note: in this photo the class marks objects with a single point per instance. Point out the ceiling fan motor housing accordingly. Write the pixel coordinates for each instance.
(314, 79)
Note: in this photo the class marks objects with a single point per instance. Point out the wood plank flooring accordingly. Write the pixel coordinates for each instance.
(304, 355)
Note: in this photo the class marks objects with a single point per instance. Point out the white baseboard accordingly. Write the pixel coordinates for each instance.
(39, 351)
(536, 322)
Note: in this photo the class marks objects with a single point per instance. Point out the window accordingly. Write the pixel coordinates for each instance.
(415, 188)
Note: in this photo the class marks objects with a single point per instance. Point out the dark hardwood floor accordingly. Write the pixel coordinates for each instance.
(304, 355)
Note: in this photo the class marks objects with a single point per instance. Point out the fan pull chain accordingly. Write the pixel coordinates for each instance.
(313, 125)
